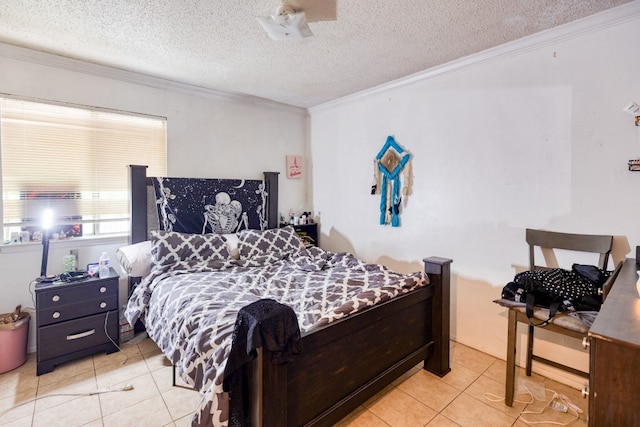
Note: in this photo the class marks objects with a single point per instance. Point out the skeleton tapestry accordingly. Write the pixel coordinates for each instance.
(192, 205)
(391, 161)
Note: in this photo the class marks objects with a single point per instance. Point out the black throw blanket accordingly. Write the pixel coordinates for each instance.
(265, 323)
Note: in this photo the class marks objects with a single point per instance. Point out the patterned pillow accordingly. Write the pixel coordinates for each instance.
(170, 247)
(254, 243)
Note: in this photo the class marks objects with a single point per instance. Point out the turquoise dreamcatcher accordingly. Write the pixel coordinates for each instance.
(391, 162)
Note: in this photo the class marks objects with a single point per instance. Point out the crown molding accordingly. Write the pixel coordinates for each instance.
(76, 65)
(591, 24)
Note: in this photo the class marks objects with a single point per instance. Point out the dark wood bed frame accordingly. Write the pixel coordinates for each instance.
(348, 361)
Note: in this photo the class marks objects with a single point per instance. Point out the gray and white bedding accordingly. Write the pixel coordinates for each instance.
(190, 300)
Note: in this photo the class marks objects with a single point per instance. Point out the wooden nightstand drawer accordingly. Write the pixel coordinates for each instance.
(79, 292)
(68, 302)
(69, 311)
(74, 335)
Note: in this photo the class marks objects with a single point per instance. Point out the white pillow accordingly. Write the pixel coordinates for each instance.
(232, 245)
(135, 260)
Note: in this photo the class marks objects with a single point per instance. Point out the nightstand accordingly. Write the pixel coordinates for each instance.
(73, 319)
(307, 232)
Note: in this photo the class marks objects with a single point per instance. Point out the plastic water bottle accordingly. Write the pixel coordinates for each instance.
(103, 265)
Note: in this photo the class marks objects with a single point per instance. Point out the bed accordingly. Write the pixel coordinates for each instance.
(346, 355)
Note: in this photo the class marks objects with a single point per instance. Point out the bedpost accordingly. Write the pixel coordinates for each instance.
(439, 271)
(271, 187)
(138, 203)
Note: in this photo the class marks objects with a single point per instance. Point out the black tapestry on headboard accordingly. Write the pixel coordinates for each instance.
(197, 205)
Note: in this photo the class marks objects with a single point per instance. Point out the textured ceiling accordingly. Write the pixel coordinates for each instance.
(219, 45)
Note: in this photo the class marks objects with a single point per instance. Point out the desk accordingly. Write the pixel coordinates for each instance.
(614, 338)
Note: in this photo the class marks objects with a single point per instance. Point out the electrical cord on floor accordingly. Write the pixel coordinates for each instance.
(558, 402)
(125, 387)
(562, 404)
(126, 356)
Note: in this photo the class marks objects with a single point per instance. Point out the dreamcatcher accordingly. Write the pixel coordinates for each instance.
(391, 162)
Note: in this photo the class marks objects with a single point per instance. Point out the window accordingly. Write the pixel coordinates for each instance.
(72, 159)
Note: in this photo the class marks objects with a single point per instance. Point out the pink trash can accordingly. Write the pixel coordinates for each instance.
(13, 344)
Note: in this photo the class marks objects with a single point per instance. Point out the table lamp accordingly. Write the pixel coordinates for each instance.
(47, 222)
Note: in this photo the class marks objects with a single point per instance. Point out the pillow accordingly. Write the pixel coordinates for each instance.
(135, 260)
(232, 245)
(170, 247)
(254, 243)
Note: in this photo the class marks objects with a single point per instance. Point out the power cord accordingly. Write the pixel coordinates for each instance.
(126, 356)
(558, 402)
(562, 404)
(125, 387)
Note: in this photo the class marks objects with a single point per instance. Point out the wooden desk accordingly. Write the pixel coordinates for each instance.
(615, 355)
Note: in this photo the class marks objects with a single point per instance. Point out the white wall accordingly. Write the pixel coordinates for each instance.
(209, 135)
(531, 134)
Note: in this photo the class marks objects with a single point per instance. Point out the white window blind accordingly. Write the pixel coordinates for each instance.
(73, 160)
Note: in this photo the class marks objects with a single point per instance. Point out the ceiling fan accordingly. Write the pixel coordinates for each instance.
(290, 22)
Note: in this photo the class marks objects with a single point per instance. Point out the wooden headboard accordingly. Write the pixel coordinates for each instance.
(142, 215)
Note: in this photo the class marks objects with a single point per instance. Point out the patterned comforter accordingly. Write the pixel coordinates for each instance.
(189, 309)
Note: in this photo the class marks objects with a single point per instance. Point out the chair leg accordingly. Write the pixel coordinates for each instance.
(529, 350)
(511, 358)
(174, 375)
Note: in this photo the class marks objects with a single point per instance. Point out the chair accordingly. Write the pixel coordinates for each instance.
(562, 323)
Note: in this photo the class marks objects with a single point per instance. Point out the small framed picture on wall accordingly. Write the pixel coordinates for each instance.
(294, 167)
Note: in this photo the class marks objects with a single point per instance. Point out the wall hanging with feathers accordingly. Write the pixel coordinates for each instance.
(391, 162)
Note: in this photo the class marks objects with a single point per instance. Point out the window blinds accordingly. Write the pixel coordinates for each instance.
(73, 160)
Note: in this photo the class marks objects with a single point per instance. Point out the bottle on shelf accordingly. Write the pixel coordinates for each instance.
(103, 265)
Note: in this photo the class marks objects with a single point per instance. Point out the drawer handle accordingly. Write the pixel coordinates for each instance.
(80, 335)
(56, 314)
(55, 298)
(103, 289)
(103, 304)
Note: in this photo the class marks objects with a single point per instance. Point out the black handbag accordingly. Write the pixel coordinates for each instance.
(557, 289)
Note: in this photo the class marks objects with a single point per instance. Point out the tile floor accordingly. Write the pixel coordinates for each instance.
(461, 398)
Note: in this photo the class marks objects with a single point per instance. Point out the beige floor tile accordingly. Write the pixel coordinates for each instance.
(144, 387)
(73, 413)
(184, 421)
(121, 357)
(148, 413)
(398, 409)
(181, 402)
(471, 358)
(15, 408)
(429, 389)
(21, 380)
(379, 395)
(118, 373)
(413, 399)
(164, 379)
(491, 392)
(365, 418)
(352, 416)
(442, 421)
(19, 422)
(408, 374)
(148, 346)
(156, 360)
(66, 370)
(497, 371)
(460, 376)
(54, 394)
(467, 411)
